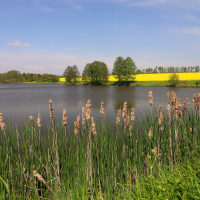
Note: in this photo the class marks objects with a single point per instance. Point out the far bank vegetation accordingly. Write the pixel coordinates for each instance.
(15, 76)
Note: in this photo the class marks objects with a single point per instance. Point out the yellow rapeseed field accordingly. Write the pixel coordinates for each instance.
(154, 77)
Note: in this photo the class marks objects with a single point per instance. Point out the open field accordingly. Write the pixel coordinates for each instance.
(193, 76)
(156, 157)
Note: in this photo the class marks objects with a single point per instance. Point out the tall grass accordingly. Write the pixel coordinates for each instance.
(156, 159)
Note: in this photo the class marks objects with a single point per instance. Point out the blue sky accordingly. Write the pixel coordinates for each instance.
(45, 36)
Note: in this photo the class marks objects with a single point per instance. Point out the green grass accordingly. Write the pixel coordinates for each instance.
(164, 84)
(150, 83)
(115, 164)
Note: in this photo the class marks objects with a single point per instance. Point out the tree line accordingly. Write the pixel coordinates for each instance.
(170, 69)
(96, 73)
(15, 76)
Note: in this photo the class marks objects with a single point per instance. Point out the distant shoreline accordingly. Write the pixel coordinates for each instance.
(182, 84)
(188, 84)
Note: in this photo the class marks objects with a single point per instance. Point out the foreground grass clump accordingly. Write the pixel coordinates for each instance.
(152, 158)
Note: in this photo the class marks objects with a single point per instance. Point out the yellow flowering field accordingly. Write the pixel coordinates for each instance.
(165, 76)
(62, 79)
(154, 77)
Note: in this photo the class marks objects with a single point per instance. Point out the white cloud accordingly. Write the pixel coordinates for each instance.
(37, 68)
(59, 66)
(76, 6)
(147, 2)
(192, 4)
(18, 43)
(74, 3)
(45, 8)
(189, 17)
(190, 31)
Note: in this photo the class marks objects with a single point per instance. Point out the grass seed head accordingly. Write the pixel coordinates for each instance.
(39, 120)
(168, 96)
(78, 121)
(118, 117)
(1, 117)
(124, 113)
(88, 110)
(50, 108)
(150, 98)
(187, 100)
(102, 109)
(184, 109)
(83, 116)
(32, 121)
(168, 111)
(38, 176)
(75, 128)
(154, 150)
(94, 129)
(132, 114)
(150, 133)
(3, 126)
(64, 117)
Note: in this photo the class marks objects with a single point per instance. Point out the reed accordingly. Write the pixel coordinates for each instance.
(86, 164)
(102, 114)
(151, 102)
(65, 120)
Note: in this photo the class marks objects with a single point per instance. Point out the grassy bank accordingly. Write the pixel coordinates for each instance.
(144, 83)
(165, 83)
(156, 157)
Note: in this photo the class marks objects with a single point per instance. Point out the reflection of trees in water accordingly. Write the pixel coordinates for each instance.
(119, 104)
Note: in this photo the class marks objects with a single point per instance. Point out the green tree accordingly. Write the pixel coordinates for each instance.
(71, 73)
(139, 71)
(149, 70)
(96, 73)
(13, 76)
(1, 78)
(160, 69)
(53, 78)
(124, 68)
(173, 80)
(45, 77)
(196, 68)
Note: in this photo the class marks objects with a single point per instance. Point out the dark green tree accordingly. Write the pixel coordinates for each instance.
(124, 68)
(149, 70)
(118, 68)
(139, 71)
(173, 80)
(45, 77)
(196, 68)
(71, 73)
(13, 76)
(1, 78)
(96, 73)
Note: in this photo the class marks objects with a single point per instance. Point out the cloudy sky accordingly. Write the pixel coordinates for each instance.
(45, 36)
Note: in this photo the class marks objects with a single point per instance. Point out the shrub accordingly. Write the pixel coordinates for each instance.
(173, 80)
(197, 83)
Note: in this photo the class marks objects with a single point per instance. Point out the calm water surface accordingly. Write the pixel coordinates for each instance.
(18, 101)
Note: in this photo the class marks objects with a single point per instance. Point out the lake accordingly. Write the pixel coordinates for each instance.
(19, 101)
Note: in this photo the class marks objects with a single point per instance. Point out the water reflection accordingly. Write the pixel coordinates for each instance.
(18, 101)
